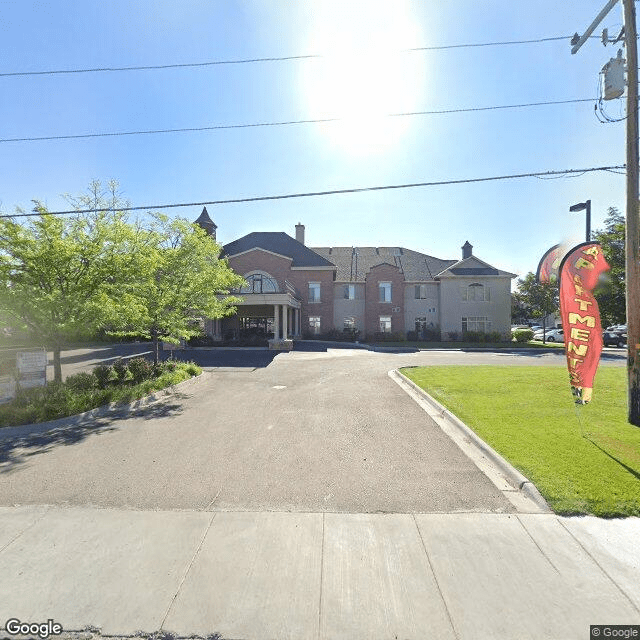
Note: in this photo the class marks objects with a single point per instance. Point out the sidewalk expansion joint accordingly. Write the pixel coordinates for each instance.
(188, 569)
(546, 557)
(18, 535)
(435, 577)
(606, 573)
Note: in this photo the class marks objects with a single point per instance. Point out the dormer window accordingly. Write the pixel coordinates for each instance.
(476, 292)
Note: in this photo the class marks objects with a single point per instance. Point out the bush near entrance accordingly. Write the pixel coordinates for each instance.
(121, 383)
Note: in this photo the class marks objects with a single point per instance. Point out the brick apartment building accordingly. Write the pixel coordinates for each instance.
(294, 290)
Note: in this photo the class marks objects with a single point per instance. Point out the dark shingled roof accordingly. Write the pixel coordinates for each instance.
(473, 266)
(474, 271)
(280, 243)
(205, 221)
(354, 263)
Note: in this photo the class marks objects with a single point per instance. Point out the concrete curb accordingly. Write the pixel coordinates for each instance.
(506, 470)
(111, 409)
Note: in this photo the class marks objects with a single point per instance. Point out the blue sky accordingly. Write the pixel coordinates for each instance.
(362, 75)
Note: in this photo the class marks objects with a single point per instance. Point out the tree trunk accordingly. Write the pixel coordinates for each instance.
(57, 365)
(544, 330)
(156, 346)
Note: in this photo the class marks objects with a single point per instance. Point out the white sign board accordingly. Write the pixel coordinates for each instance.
(32, 368)
(31, 361)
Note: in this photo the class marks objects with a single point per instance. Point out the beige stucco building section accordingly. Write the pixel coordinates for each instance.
(454, 307)
(428, 308)
(344, 308)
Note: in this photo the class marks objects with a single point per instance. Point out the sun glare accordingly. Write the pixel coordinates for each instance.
(364, 74)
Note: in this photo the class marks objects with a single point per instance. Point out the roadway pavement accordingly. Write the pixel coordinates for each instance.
(312, 431)
(301, 495)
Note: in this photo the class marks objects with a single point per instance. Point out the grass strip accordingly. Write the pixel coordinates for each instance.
(583, 459)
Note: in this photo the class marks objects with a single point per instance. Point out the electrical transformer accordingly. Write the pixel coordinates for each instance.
(612, 78)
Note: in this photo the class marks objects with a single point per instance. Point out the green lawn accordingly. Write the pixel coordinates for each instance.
(584, 460)
(467, 345)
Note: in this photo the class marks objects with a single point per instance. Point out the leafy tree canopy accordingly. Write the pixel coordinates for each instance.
(536, 299)
(66, 277)
(611, 293)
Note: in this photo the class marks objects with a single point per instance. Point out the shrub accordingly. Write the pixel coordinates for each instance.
(57, 400)
(496, 336)
(168, 366)
(523, 335)
(432, 335)
(140, 370)
(473, 336)
(412, 336)
(192, 369)
(341, 335)
(121, 370)
(82, 381)
(454, 336)
(202, 341)
(103, 374)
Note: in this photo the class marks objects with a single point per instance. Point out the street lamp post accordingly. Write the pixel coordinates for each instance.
(584, 206)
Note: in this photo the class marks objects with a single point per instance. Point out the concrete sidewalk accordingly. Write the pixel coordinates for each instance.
(255, 575)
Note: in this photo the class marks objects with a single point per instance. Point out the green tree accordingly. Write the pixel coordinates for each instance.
(180, 281)
(611, 293)
(57, 272)
(536, 299)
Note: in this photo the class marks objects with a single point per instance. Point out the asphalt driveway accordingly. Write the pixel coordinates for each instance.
(316, 431)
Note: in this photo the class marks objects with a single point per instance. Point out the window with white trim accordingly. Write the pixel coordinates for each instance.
(421, 324)
(384, 291)
(385, 324)
(421, 291)
(476, 292)
(349, 323)
(477, 323)
(314, 292)
(314, 325)
(349, 291)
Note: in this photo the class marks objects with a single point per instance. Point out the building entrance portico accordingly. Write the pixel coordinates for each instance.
(273, 316)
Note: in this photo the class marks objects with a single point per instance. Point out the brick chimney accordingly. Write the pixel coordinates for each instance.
(467, 250)
(300, 233)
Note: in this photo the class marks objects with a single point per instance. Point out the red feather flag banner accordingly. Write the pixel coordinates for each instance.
(580, 271)
(549, 265)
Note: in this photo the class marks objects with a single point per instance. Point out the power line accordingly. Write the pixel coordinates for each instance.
(288, 122)
(212, 63)
(537, 174)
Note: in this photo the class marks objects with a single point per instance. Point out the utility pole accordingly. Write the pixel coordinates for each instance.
(632, 239)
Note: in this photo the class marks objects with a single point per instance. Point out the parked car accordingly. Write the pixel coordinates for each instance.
(535, 328)
(517, 327)
(552, 335)
(613, 339)
(617, 328)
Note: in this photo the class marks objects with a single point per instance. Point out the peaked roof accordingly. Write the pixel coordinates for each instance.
(473, 266)
(353, 263)
(280, 243)
(204, 220)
